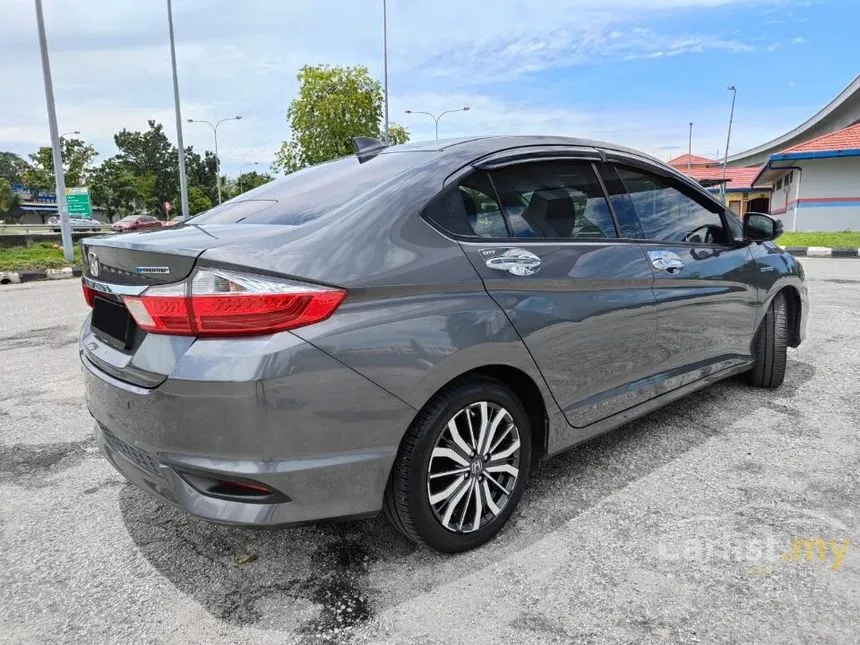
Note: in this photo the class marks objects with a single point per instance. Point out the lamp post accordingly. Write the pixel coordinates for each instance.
(70, 132)
(244, 165)
(436, 118)
(183, 179)
(385, 63)
(59, 176)
(690, 149)
(217, 158)
(734, 91)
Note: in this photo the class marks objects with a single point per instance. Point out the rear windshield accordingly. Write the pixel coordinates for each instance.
(307, 194)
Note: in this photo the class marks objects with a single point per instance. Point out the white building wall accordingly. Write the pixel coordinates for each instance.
(829, 196)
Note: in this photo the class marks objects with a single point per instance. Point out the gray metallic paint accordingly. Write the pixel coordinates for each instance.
(588, 317)
(319, 413)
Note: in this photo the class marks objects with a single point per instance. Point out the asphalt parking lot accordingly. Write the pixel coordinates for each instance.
(685, 526)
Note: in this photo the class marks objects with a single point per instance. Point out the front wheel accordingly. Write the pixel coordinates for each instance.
(770, 346)
(461, 467)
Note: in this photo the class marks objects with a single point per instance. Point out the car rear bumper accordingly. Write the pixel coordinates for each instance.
(327, 450)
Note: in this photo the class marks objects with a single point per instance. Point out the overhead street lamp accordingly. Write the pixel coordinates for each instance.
(245, 165)
(215, 133)
(734, 91)
(70, 132)
(436, 118)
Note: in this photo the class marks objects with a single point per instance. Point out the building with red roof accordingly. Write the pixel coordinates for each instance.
(741, 196)
(686, 161)
(816, 184)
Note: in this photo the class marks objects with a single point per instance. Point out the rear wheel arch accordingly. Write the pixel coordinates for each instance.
(527, 391)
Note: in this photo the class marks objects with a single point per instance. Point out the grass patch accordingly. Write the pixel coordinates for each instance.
(43, 255)
(850, 239)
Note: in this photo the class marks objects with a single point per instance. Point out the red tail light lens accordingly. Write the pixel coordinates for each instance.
(229, 303)
(89, 294)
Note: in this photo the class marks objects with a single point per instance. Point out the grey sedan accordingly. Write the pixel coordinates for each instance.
(412, 328)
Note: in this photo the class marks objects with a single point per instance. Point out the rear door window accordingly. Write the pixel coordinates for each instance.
(554, 199)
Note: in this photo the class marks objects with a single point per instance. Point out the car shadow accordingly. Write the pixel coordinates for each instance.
(318, 582)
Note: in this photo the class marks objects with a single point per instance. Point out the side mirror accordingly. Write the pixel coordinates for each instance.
(760, 227)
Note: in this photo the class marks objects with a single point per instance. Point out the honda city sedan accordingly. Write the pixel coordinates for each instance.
(412, 328)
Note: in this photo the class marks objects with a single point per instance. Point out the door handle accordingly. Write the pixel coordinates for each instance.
(666, 261)
(515, 262)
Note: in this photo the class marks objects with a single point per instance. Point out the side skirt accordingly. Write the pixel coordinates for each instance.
(617, 420)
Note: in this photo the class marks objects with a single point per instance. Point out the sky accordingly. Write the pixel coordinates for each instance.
(633, 72)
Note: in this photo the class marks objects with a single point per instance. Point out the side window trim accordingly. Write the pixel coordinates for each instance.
(596, 171)
(502, 207)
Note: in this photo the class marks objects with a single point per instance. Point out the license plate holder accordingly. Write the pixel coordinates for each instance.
(113, 323)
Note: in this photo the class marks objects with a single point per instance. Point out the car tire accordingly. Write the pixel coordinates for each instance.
(482, 500)
(770, 346)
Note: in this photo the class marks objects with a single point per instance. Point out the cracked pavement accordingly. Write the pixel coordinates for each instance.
(687, 525)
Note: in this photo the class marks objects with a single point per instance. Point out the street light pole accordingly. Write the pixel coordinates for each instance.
(59, 176)
(183, 179)
(734, 91)
(70, 132)
(244, 165)
(385, 62)
(436, 118)
(217, 158)
(690, 149)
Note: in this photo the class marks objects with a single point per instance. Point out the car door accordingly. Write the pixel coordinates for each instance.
(705, 282)
(547, 249)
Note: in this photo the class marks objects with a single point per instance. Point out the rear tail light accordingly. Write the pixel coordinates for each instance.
(219, 302)
(89, 294)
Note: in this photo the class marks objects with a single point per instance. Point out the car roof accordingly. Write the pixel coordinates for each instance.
(483, 145)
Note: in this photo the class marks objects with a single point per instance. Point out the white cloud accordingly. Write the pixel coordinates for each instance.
(111, 65)
(800, 40)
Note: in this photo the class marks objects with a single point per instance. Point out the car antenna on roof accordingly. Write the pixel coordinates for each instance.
(367, 147)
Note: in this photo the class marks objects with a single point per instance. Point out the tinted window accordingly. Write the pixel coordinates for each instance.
(622, 204)
(667, 214)
(307, 194)
(483, 211)
(558, 199)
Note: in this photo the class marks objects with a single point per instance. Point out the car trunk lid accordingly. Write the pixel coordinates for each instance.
(127, 265)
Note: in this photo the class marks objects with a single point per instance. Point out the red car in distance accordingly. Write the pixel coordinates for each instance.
(135, 223)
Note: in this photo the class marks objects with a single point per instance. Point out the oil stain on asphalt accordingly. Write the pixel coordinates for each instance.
(32, 464)
(323, 568)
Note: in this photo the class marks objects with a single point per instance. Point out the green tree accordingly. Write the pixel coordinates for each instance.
(397, 133)
(198, 200)
(77, 165)
(202, 172)
(250, 180)
(12, 167)
(153, 160)
(334, 105)
(8, 199)
(114, 189)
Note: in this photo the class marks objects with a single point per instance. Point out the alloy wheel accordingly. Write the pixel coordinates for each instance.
(473, 467)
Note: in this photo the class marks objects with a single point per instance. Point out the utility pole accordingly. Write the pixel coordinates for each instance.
(183, 180)
(690, 149)
(385, 62)
(59, 175)
(734, 91)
